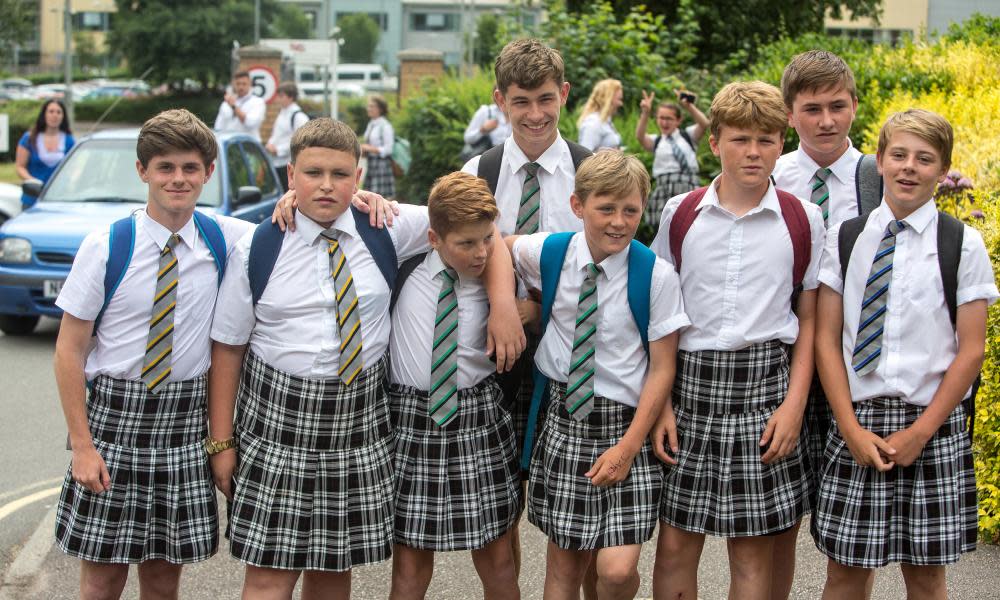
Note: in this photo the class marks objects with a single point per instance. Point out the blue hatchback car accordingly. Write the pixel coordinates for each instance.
(94, 186)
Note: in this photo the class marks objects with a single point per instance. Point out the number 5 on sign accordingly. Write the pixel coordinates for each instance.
(263, 82)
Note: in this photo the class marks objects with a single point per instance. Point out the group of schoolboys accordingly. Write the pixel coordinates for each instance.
(669, 386)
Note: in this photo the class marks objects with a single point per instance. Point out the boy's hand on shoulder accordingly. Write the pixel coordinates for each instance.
(284, 211)
(530, 313)
(664, 435)
(612, 466)
(379, 210)
(908, 445)
(89, 470)
(868, 449)
(223, 466)
(781, 434)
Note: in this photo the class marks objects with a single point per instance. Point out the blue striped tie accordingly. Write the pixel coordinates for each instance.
(868, 348)
(580, 393)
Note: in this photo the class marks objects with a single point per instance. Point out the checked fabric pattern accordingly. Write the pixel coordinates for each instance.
(443, 403)
(682, 160)
(348, 320)
(580, 393)
(868, 346)
(528, 213)
(820, 194)
(160, 342)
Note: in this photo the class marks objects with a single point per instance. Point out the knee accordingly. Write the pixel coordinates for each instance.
(616, 575)
(568, 566)
(923, 581)
(412, 566)
(269, 581)
(98, 582)
(842, 576)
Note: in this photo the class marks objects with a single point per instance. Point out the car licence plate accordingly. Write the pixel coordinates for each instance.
(51, 288)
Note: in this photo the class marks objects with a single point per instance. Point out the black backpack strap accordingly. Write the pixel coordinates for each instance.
(849, 232)
(867, 184)
(687, 137)
(489, 166)
(950, 234)
(578, 153)
(380, 246)
(656, 142)
(405, 270)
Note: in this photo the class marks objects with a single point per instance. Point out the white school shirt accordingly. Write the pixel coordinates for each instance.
(379, 133)
(555, 177)
(486, 112)
(663, 158)
(919, 342)
(281, 133)
(794, 172)
(121, 339)
(255, 110)
(620, 361)
(595, 134)
(736, 272)
(293, 328)
(413, 328)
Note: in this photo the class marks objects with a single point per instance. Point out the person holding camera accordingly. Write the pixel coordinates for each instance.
(488, 128)
(241, 110)
(675, 160)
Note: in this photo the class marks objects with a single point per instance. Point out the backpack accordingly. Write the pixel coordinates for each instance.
(684, 134)
(121, 245)
(867, 184)
(489, 162)
(950, 234)
(401, 157)
(405, 270)
(481, 145)
(291, 121)
(266, 244)
(640, 273)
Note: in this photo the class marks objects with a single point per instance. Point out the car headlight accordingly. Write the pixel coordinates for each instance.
(15, 251)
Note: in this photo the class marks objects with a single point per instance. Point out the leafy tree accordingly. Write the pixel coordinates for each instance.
(487, 37)
(360, 34)
(85, 50)
(290, 22)
(15, 26)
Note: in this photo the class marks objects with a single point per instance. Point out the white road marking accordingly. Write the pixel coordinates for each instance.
(29, 560)
(11, 507)
(30, 486)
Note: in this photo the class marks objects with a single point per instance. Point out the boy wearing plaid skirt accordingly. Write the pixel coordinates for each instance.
(139, 490)
(594, 484)
(736, 467)
(898, 484)
(458, 485)
(312, 487)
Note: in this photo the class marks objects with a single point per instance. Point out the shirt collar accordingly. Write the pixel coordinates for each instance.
(843, 168)
(610, 266)
(310, 231)
(918, 220)
(769, 201)
(434, 263)
(549, 160)
(160, 234)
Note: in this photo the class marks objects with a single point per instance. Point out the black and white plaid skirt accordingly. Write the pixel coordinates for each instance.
(457, 487)
(313, 488)
(815, 426)
(924, 514)
(719, 486)
(570, 510)
(161, 504)
(379, 177)
(668, 185)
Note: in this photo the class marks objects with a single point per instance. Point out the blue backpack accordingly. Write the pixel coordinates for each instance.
(121, 245)
(266, 244)
(640, 273)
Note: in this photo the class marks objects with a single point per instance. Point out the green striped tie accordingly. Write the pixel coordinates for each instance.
(820, 194)
(160, 342)
(443, 405)
(529, 211)
(348, 320)
(580, 393)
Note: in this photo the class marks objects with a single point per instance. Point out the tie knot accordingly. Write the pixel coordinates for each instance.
(895, 227)
(172, 242)
(532, 168)
(823, 173)
(593, 270)
(447, 275)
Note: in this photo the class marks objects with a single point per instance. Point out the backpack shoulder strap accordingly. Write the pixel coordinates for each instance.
(489, 166)
(379, 244)
(797, 223)
(121, 245)
(848, 235)
(211, 232)
(640, 276)
(867, 184)
(681, 222)
(687, 137)
(264, 249)
(950, 234)
(656, 142)
(405, 270)
(578, 153)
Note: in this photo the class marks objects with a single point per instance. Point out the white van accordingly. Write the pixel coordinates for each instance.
(370, 77)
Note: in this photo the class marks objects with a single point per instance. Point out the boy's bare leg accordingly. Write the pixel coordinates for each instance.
(99, 581)
(846, 583)
(412, 570)
(750, 560)
(590, 582)
(564, 571)
(495, 564)
(261, 583)
(675, 570)
(326, 585)
(159, 580)
(784, 563)
(925, 582)
(617, 572)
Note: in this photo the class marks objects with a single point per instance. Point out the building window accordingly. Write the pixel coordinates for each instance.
(434, 22)
(893, 37)
(90, 21)
(381, 18)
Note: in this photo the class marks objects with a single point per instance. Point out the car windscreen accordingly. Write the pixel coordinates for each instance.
(104, 171)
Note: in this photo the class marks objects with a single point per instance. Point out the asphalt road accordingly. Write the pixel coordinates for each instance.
(32, 446)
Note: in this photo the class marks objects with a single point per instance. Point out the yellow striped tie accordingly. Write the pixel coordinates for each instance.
(348, 316)
(160, 342)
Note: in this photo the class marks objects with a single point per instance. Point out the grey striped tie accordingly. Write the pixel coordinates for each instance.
(443, 393)
(820, 194)
(348, 319)
(160, 341)
(679, 156)
(868, 343)
(580, 380)
(528, 212)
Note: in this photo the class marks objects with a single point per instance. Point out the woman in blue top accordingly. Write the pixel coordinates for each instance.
(43, 147)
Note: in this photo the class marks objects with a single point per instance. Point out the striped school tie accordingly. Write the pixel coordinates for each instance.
(443, 405)
(679, 156)
(580, 393)
(529, 211)
(872, 322)
(348, 319)
(820, 194)
(160, 342)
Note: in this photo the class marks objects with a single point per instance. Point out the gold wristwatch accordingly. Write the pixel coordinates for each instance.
(213, 446)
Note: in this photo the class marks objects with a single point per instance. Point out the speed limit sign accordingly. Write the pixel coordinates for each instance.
(263, 82)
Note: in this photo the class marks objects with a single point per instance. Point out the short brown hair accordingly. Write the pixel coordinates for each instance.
(748, 105)
(325, 132)
(528, 64)
(611, 171)
(239, 74)
(379, 100)
(289, 89)
(926, 125)
(460, 199)
(672, 107)
(175, 130)
(816, 70)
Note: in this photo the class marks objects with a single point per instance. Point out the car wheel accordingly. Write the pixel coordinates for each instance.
(17, 325)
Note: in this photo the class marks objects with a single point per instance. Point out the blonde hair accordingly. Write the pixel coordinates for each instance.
(816, 70)
(601, 99)
(749, 105)
(926, 125)
(325, 133)
(175, 130)
(460, 199)
(528, 64)
(611, 172)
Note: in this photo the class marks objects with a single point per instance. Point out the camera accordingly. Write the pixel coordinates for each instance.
(688, 97)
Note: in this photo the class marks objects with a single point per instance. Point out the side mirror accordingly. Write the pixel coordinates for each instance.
(247, 194)
(32, 187)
